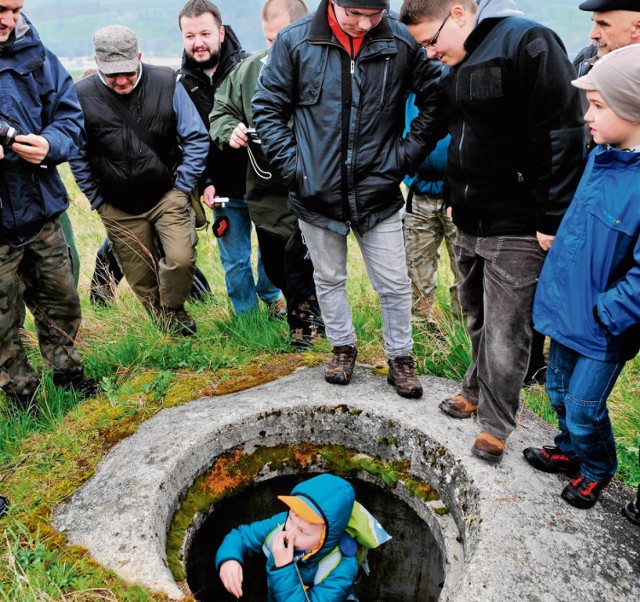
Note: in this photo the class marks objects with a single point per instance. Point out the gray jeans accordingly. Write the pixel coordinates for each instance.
(498, 277)
(382, 248)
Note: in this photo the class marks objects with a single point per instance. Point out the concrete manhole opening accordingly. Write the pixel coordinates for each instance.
(243, 487)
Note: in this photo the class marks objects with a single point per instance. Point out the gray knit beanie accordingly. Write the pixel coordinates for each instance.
(616, 76)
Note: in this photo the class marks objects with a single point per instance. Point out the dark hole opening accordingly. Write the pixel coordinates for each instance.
(409, 568)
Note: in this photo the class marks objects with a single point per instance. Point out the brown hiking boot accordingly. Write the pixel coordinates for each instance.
(179, 322)
(403, 377)
(458, 407)
(340, 368)
(488, 447)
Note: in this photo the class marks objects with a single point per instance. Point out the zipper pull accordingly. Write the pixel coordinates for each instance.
(353, 66)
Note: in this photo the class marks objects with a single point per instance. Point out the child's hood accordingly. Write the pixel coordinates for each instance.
(334, 498)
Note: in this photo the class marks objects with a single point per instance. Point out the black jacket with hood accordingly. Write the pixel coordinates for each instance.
(345, 157)
(517, 147)
(226, 169)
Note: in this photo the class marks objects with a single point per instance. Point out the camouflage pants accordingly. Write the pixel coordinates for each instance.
(38, 274)
(424, 230)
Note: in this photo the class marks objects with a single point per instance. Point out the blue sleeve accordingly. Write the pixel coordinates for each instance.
(62, 113)
(285, 586)
(619, 307)
(272, 108)
(247, 539)
(85, 179)
(194, 140)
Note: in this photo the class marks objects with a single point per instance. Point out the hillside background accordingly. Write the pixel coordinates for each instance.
(67, 26)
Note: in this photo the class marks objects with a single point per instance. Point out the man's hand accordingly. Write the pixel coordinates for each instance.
(31, 148)
(544, 240)
(208, 195)
(282, 548)
(1, 152)
(231, 576)
(239, 138)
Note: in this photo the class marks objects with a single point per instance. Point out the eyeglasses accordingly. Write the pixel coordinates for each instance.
(434, 40)
(372, 18)
(117, 75)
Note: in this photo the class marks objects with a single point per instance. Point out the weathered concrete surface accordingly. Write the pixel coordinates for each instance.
(521, 541)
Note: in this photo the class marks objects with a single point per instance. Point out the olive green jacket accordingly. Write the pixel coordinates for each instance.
(267, 196)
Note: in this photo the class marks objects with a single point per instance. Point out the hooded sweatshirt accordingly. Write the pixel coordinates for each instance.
(334, 498)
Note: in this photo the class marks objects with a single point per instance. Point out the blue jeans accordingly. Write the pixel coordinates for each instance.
(382, 248)
(578, 388)
(235, 255)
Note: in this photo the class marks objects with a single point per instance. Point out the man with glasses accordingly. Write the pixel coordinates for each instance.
(146, 149)
(343, 74)
(514, 162)
(40, 127)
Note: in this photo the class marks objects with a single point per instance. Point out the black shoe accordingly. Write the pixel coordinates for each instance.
(179, 322)
(632, 510)
(4, 506)
(550, 459)
(583, 492)
(85, 387)
(23, 403)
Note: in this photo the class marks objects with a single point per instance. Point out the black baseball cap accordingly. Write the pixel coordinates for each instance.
(602, 6)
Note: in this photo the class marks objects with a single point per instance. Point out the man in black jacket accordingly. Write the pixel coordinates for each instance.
(211, 51)
(343, 74)
(514, 161)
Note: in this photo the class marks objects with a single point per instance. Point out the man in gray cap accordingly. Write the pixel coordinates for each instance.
(146, 149)
(616, 23)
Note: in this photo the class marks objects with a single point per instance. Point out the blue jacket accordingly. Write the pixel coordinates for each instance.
(588, 295)
(37, 96)
(429, 177)
(335, 498)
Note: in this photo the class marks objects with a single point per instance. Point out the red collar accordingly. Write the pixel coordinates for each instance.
(350, 44)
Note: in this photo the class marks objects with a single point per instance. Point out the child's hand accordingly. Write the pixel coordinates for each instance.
(282, 548)
(231, 576)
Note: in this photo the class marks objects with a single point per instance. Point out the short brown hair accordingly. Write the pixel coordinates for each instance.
(274, 8)
(413, 12)
(195, 8)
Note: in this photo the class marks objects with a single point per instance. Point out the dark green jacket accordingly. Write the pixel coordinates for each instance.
(267, 198)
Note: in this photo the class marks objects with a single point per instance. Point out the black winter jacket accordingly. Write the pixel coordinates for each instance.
(517, 146)
(226, 169)
(345, 157)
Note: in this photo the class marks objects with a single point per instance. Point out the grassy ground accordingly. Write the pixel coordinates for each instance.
(44, 459)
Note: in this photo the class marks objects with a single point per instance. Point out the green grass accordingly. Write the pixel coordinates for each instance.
(44, 459)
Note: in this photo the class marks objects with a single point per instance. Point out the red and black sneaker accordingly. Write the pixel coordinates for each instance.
(550, 459)
(583, 492)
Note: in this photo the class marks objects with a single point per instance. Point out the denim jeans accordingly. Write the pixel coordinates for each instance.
(382, 248)
(235, 255)
(498, 277)
(578, 388)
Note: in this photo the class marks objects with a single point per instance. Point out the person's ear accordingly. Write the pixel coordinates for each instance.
(635, 31)
(461, 15)
(221, 33)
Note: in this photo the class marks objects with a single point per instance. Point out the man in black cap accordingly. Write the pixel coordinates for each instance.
(616, 23)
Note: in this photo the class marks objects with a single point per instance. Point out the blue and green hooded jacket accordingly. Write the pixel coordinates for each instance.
(334, 499)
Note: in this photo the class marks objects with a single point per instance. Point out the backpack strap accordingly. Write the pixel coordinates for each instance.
(327, 564)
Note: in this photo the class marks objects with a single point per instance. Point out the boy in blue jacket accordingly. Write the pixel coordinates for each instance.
(588, 295)
(311, 550)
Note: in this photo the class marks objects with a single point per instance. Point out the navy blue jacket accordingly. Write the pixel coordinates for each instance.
(37, 96)
(588, 295)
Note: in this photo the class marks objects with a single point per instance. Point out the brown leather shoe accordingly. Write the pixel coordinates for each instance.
(458, 407)
(340, 368)
(488, 447)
